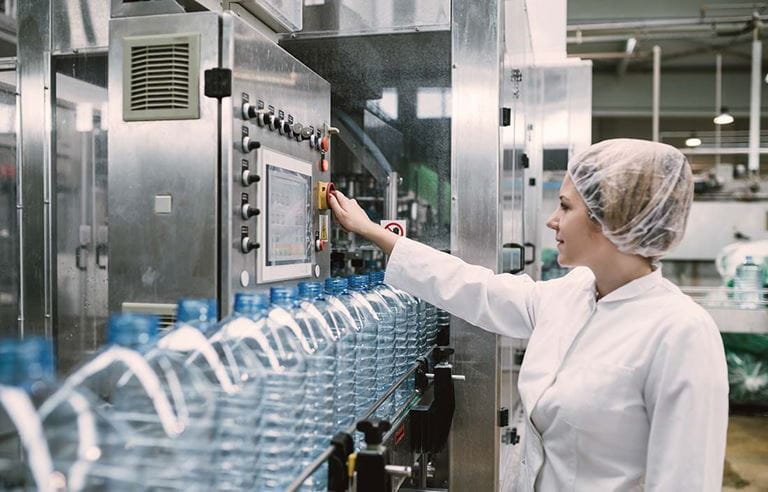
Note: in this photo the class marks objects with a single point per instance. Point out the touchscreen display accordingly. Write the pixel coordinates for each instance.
(289, 211)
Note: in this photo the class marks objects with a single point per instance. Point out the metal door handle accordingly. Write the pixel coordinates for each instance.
(101, 252)
(81, 254)
(520, 248)
(533, 255)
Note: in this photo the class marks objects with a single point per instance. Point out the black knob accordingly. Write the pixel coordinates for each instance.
(276, 123)
(250, 112)
(374, 430)
(286, 129)
(250, 145)
(247, 244)
(249, 211)
(249, 178)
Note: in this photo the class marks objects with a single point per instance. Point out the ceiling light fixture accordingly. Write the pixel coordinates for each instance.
(692, 142)
(724, 118)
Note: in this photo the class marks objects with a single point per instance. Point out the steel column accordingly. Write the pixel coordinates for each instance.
(36, 229)
(476, 232)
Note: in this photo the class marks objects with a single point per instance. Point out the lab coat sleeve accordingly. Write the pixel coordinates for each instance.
(499, 303)
(686, 395)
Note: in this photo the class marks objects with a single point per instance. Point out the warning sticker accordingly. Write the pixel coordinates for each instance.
(395, 226)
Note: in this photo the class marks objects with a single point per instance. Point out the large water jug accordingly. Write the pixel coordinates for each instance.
(389, 315)
(282, 427)
(368, 322)
(25, 462)
(321, 376)
(405, 308)
(160, 399)
(340, 319)
(239, 411)
(749, 284)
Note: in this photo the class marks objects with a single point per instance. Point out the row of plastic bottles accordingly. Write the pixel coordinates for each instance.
(244, 403)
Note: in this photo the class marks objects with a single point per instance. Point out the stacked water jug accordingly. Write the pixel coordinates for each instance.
(242, 403)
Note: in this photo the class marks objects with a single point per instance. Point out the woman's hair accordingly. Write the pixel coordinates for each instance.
(639, 192)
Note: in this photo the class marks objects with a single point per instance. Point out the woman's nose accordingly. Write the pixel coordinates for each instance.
(552, 221)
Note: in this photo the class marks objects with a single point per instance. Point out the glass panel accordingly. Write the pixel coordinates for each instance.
(9, 232)
(81, 204)
(391, 100)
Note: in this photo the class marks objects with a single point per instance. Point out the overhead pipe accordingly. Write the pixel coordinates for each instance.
(753, 164)
(656, 90)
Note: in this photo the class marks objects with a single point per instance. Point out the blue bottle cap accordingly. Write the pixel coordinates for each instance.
(335, 285)
(358, 282)
(310, 290)
(282, 295)
(34, 360)
(250, 303)
(196, 310)
(131, 330)
(376, 277)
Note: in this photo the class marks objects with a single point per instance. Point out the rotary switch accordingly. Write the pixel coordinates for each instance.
(247, 210)
(249, 145)
(247, 244)
(248, 177)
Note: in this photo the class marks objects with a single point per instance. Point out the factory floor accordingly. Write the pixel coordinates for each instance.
(746, 454)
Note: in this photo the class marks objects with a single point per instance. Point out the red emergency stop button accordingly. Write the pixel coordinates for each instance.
(320, 244)
(325, 143)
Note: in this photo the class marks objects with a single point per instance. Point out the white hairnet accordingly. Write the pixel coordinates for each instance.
(640, 192)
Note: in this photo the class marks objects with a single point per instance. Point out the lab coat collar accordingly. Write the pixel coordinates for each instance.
(632, 289)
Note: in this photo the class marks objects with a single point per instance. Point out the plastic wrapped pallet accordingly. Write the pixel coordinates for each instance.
(747, 357)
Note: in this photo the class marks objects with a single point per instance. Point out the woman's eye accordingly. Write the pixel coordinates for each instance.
(563, 206)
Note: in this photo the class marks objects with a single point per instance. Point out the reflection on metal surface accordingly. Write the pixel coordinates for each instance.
(9, 235)
(35, 226)
(79, 24)
(81, 206)
(363, 17)
(476, 234)
(280, 15)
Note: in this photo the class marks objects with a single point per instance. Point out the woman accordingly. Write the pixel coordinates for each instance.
(624, 382)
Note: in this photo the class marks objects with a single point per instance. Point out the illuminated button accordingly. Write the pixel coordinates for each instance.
(320, 245)
(324, 165)
(325, 144)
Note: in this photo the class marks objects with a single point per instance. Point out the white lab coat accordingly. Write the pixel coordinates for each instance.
(626, 393)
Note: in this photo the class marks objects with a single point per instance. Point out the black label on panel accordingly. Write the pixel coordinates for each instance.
(243, 231)
(245, 97)
(244, 198)
(290, 119)
(245, 131)
(260, 104)
(281, 114)
(245, 164)
(271, 109)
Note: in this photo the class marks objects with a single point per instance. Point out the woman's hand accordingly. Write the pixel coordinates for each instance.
(354, 219)
(349, 214)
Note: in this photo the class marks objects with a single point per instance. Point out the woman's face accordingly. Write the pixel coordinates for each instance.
(579, 240)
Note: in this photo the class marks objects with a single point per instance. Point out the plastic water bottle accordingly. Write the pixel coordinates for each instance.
(252, 361)
(284, 403)
(340, 319)
(411, 344)
(405, 308)
(25, 461)
(169, 405)
(84, 446)
(391, 340)
(422, 321)
(365, 317)
(239, 412)
(321, 375)
(749, 284)
(431, 323)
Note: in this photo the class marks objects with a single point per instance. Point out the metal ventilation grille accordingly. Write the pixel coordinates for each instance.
(166, 313)
(161, 78)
